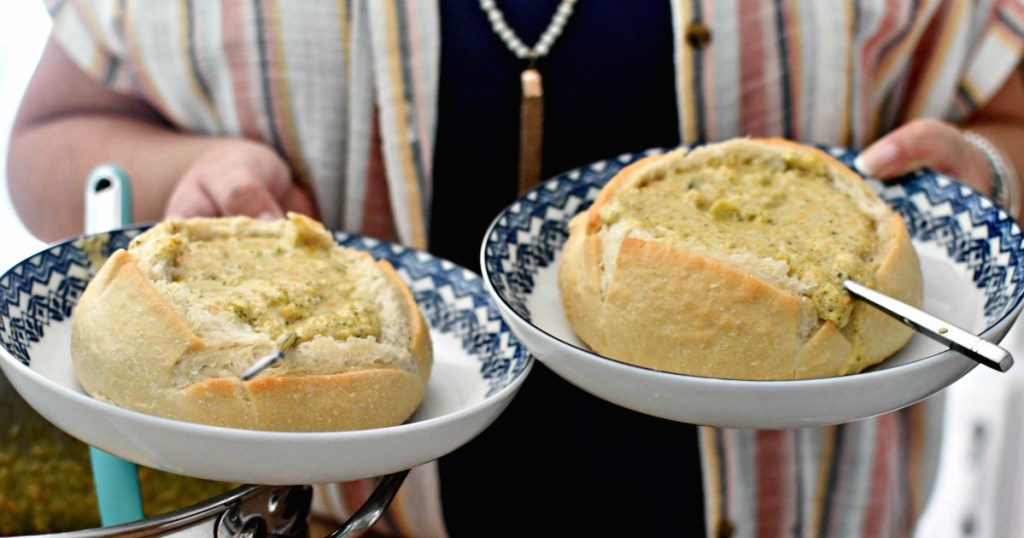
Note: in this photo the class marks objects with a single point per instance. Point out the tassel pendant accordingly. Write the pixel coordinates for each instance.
(531, 130)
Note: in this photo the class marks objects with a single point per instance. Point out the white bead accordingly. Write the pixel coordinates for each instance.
(512, 41)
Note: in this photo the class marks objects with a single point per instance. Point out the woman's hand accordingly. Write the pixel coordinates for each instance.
(944, 148)
(928, 143)
(238, 177)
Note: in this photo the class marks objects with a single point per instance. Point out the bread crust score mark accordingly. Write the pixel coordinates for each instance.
(678, 304)
(139, 342)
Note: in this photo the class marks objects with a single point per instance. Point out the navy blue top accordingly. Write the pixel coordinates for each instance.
(558, 461)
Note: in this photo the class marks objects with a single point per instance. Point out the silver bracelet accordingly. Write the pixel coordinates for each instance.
(1005, 184)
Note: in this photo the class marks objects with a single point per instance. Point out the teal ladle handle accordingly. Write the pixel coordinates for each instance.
(108, 206)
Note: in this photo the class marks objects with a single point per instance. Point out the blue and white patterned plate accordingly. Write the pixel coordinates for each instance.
(971, 254)
(479, 366)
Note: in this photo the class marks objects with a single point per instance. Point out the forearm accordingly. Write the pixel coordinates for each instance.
(49, 161)
(69, 123)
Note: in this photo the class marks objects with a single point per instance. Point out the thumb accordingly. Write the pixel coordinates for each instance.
(924, 143)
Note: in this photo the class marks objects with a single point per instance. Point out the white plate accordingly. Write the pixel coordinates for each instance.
(971, 255)
(479, 366)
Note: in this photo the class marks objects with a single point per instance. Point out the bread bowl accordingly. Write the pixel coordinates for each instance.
(727, 260)
(168, 325)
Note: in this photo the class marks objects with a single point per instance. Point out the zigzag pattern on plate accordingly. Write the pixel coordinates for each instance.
(531, 232)
(453, 301)
(974, 232)
(25, 311)
(935, 208)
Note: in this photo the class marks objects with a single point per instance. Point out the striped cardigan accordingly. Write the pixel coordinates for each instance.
(362, 75)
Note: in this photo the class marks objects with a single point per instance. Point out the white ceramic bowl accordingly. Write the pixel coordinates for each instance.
(479, 367)
(971, 255)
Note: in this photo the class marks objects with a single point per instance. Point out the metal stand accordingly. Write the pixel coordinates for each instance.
(374, 507)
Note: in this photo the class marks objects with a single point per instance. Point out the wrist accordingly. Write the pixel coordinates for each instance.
(1006, 187)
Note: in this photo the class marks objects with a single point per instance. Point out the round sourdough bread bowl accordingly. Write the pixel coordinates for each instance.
(169, 325)
(727, 260)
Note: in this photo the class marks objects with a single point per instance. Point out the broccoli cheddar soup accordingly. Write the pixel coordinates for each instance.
(783, 211)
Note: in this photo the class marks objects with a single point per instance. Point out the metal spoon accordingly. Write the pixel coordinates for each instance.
(970, 344)
(289, 341)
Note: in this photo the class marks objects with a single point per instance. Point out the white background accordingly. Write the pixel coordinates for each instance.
(23, 28)
(989, 494)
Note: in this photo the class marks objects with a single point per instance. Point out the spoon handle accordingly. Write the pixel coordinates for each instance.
(971, 345)
(289, 341)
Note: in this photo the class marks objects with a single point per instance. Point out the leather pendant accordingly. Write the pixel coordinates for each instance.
(531, 130)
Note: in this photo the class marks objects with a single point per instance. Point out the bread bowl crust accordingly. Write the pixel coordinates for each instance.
(670, 308)
(128, 337)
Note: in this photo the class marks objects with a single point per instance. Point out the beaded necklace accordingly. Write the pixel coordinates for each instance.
(531, 115)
